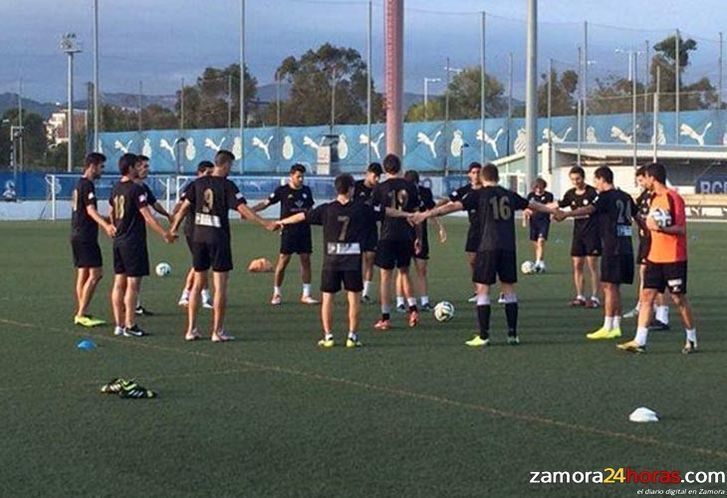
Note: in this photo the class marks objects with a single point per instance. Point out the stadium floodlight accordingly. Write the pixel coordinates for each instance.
(69, 46)
(426, 92)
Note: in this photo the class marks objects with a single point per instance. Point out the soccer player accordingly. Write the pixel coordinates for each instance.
(394, 199)
(496, 257)
(421, 254)
(157, 206)
(129, 213)
(362, 193)
(345, 223)
(204, 168)
(643, 203)
(211, 197)
(473, 236)
(294, 197)
(613, 210)
(85, 221)
(666, 263)
(586, 245)
(539, 222)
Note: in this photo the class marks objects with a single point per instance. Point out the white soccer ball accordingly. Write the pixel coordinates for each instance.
(163, 269)
(528, 267)
(443, 311)
(662, 217)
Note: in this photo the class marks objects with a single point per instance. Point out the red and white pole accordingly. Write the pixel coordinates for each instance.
(394, 33)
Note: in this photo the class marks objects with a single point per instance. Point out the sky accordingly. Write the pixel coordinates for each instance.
(159, 42)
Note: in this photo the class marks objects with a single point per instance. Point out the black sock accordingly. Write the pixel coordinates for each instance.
(386, 316)
(511, 310)
(483, 317)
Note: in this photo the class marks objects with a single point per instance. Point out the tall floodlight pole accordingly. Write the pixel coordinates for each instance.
(646, 76)
(719, 83)
(394, 70)
(426, 94)
(635, 139)
(531, 94)
(20, 125)
(550, 115)
(369, 69)
(585, 75)
(96, 145)
(483, 75)
(677, 84)
(70, 47)
(242, 87)
(655, 133)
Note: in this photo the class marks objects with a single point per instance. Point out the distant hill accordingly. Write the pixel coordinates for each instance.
(10, 101)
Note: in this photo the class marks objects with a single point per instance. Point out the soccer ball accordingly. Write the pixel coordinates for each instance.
(444, 311)
(662, 217)
(163, 269)
(528, 267)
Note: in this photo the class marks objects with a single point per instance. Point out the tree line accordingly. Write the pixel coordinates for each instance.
(329, 85)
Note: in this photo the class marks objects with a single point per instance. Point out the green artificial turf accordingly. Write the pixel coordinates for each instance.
(414, 412)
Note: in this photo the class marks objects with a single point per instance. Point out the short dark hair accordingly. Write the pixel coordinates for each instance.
(540, 182)
(641, 171)
(94, 159)
(224, 158)
(204, 165)
(375, 168)
(577, 170)
(412, 175)
(141, 158)
(490, 173)
(392, 164)
(604, 173)
(474, 165)
(297, 167)
(126, 162)
(657, 171)
(343, 183)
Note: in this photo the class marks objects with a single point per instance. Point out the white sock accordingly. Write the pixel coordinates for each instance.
(206, 295)
(641, 335)
(367, 285)
(691, 335)
(399, 301)
(276, 290)
(581, 297)
(185, 294)
(352, 335)
(662, 314)
(424, 300)
(616, 322)
(483, 300)
(608, 322)
(306, 290)
(327, 336)
(412, 301)
(138, 301)
(638, 305)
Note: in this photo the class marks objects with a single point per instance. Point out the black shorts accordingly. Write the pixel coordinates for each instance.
(190, 243)
(493, 265)
(423, 253)
(644, 244)
(588, 244)
(370, 240)
(131, 260)
(617, 269)
(392, 254)
(473, 239)
(331, 280)
(672, 276)
(86, 254)
(215, 255)
(296, 240)
(539, 229)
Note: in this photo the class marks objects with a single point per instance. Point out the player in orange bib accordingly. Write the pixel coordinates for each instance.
(666, 263)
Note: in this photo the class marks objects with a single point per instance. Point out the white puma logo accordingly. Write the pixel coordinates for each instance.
(422, 138)
(264, 146)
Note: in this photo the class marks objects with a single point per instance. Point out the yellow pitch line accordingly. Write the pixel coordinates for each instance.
(426, 397)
